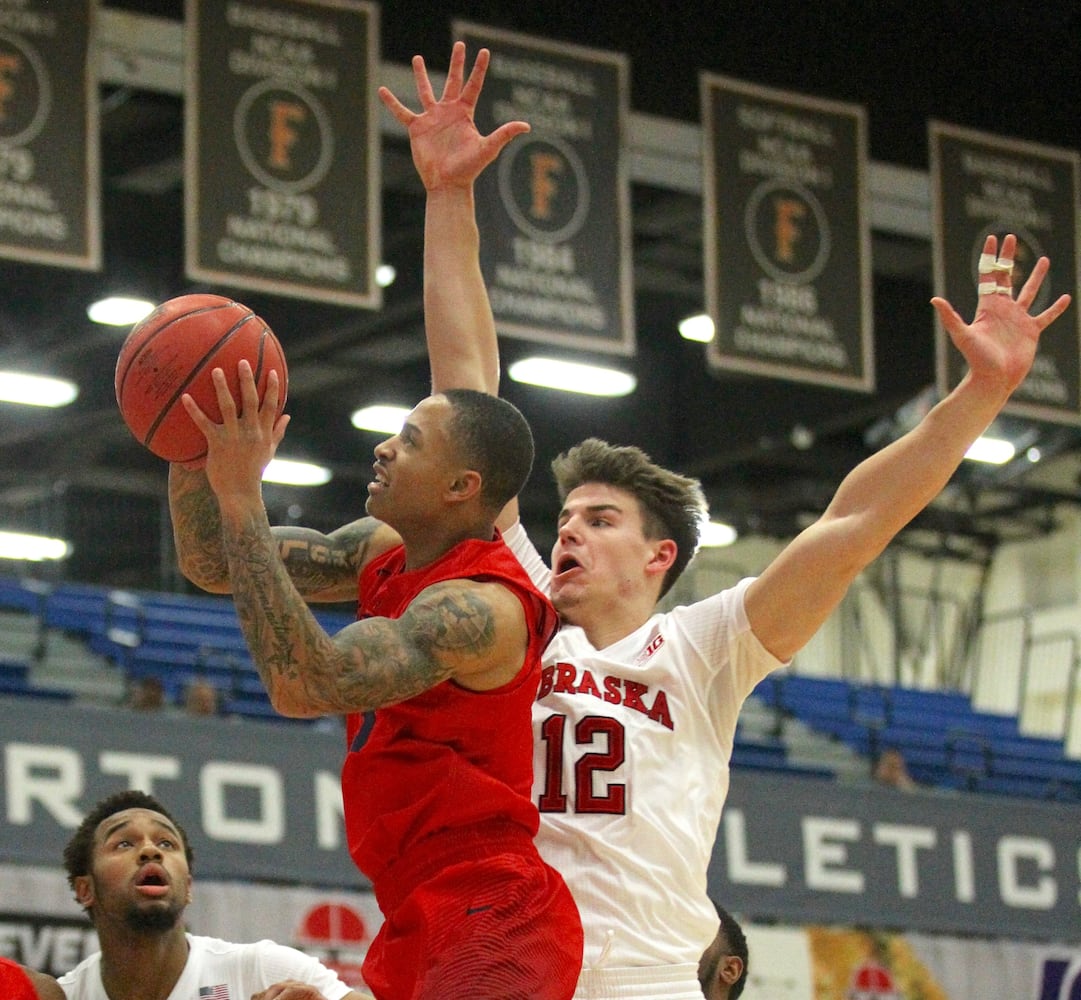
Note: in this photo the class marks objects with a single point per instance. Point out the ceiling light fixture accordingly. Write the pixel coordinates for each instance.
(36, 390)
(698, 327)
(292, 473)
(385, 275)
(383, 418)
(570, 376)
(993, 451)
(32, 548)
(716, 534)
(119, 310)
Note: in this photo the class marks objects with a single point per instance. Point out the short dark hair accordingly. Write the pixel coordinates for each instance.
(79, 851)
(730, 940)
(494, 439)
(673, 506)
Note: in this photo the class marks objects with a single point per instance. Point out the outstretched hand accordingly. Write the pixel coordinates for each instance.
(1000, 342)
(448, 149)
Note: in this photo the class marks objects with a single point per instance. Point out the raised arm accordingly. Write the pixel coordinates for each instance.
(790, 600)
(323, 567)
(449, 154)
(473, 632)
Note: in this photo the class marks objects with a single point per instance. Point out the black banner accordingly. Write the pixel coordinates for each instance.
(983, 184)
(787, 235)
(282, 148)
(50, 185)
(554, 211)
(823, 852)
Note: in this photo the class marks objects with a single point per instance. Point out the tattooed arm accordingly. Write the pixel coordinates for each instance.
(473, 632)
(324, 567)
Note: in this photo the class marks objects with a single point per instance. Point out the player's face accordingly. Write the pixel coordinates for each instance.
(601, 553)
(139, 877)
(413, 468)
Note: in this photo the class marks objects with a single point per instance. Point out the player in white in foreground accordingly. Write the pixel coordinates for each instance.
(636, 716)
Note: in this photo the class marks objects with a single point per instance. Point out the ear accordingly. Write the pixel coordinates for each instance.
(664, 554)
(84, 890)
(466, 485)
(730, 970)
(188, 898)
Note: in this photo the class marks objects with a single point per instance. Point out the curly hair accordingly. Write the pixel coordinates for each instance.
(79, 852)
(672, 506)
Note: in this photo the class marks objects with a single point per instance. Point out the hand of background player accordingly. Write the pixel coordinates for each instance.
(242, 445)
(1000, 342)
(448, 150)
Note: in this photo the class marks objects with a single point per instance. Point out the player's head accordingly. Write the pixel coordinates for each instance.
(722, 970)
(134, 830)
(460, 453)
(494, 438)
(671, 506)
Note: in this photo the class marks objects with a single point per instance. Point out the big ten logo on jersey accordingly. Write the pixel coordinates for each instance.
(651, 647)
(1060, 979)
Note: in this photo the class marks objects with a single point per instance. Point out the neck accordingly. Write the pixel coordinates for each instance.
(143, 967)
(424, 547)
(604, 626)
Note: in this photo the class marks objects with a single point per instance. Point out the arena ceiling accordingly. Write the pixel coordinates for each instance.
(769, 453)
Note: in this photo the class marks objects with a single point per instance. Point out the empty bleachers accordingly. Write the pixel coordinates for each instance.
(946, 742)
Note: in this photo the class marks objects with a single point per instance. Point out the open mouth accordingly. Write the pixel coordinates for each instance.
(152, 878)
(566, 564)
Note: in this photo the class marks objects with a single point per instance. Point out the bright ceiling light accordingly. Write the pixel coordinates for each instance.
(993, 451)
(291, 473)
(119, 310)
(571, 376)
(32, 548)
(698, 327)
(716, 534)
(385, 275)
(384, 418)
(36, 390)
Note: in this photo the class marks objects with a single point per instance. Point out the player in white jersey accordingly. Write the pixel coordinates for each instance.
(129, 864)
(641, 708)
(221, 970)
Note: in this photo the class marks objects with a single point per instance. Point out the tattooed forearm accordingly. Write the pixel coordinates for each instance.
(286, 642)
(197, 528)
(374, 662)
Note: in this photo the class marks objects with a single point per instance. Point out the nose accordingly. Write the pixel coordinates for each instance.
(568, 530)
(149, 851)
(384, 449)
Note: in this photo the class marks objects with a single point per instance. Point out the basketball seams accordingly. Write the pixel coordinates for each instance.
(205, 360)
(135, 348)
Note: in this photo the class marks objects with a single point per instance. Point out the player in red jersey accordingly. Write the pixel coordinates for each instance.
(446, 652)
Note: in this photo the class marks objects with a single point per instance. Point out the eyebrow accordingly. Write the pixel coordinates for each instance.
(116, 827)
(594, 508)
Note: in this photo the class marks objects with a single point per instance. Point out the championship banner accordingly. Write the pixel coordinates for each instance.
(50, 184)
(983, 184)
(282, 183)
(787, 235)
(824, 852)
(554, 211)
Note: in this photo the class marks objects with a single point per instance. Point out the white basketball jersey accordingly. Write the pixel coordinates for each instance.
(220, 970)
(631, 752)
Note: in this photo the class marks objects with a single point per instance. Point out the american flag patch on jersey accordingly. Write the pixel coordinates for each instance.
(220, 992)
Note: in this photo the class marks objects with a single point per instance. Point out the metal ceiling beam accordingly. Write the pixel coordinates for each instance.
(147, 53)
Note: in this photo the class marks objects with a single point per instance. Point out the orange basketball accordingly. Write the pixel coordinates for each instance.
(173, 351)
